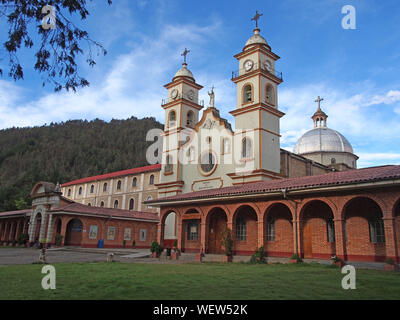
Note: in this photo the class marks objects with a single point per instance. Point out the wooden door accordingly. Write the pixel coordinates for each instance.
(307, 240)
(214, 237)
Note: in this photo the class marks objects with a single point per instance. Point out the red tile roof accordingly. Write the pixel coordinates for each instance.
(15, 213)
(154, 167)
(107, 212)
(372, 174)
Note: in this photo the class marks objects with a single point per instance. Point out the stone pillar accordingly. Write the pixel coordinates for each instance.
(203, 235)
(340, 239)
(390, 238)
(49, 234)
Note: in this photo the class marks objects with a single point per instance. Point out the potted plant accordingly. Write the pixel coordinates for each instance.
(156, 249)
(175, 254)
(295, 259)
(227, 242)
(390, 265)
(337, 261)
(133, 244)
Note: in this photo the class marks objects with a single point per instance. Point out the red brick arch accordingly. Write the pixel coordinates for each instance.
(326, 201)
(274, 203)
(381, 204)
(239, 206)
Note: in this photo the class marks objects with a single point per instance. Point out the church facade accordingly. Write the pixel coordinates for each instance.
(313, 202)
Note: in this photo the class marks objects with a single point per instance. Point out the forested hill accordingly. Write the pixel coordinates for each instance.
(66, 151)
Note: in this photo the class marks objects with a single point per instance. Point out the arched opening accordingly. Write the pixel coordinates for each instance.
(37, 228)
(270, 97)
(69, 192)
(151, 180)
(191, 228)
(134, 182)
(278, 224)
(80, 191)
(170, 229)
(92, 188)
(102, 204)
(105, 187)
(396, 215)
(116, 204)
(73, 235)
(364, 230)
(247, 93)
(245, 231)
(172, 118)
(131, 204)
(247, 148)
(190, 119)
(119, 184)
(317, 231)
(217, 223)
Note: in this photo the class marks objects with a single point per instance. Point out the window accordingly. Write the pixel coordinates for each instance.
(151, 180)
(330, 230)
(119, 185)
(134, 182)
(128, 234)
(69, 192)
(208, 162)
(80, 190)
(105, 187)
(271, 229)
(240, 229)
(247, 94)
(102, 204)
(226, 146)
(168, 166)
(333, 161)
(142, 234)
(193, 231)
(131, 204)
(92, 189)
(172, 119)
(111, 233)
(270, 94)
(148, 199)
(116, 204)
(247, 149)
(376, 231)
(190, 119)
(89, 204)
(191, 154)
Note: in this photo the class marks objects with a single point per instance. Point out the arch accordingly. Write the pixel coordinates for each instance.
(216, 222)
(270, 94)
(170, 230)
(73, 235)
(119, 184)
(245, 229)
(247, 148)
(102, 204)
(364, 230)
(151, 179)
(317, 233)
(247, 93)
(116, 203)
(190, 119)
(172, 118)
(134, 182)
(105, 187)
(131, 204)
(80, 191)
(92, 188)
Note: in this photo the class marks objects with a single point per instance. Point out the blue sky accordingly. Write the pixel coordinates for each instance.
(355, 71)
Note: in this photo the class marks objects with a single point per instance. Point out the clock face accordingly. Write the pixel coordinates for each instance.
(174, 94)
(268, 65)
(190, 95)
(248, 65)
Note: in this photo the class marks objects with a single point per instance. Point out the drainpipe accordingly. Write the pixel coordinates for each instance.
(285, 196)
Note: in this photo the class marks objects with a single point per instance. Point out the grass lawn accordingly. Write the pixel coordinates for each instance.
(195, 281)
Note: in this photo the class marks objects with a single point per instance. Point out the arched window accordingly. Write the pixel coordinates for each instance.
(89, 204)
(119, 185)
(330, 230)
(270, 94)
(116, 204)
(240, 229)
(247, 94)
(91, 188)
(376, 230)
(333, 161)
(190, 119)
(105, 187)
(247, 148)
(172, 119)
(270, 229)
(131, 204)
(151, 180)
(168, 166)
(191, 154)
(69, 192)
(102, 204)
(134, 182)
(80, 190)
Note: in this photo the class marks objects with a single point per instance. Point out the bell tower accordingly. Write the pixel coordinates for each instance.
(256, 115)
(181, 112)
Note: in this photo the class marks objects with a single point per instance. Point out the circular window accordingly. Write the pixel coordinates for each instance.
(208, 163)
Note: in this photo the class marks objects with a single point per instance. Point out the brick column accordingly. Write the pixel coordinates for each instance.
(260, 234)
(203, 235)
(63, 231)
(390, 238)
(180, 234)
(340, 239)
(297, 236)
(160, 233)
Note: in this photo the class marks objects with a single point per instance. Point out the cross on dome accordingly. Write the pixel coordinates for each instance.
(256, 18)
(184, 54)
(319, 117)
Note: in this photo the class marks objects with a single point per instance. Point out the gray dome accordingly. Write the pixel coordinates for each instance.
(184, 72)
(256, 38)
(322, 139)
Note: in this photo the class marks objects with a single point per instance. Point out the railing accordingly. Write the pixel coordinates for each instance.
(257, 66)
(181, 96)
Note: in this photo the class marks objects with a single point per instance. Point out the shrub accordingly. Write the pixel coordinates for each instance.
(23, 238)
(258, 256)
(156, 247)
(133, 244)
(227, 241)
(59, 238)
(336, 259)
(175, 243)
(296, 257)
(389, 261)
(124, 243)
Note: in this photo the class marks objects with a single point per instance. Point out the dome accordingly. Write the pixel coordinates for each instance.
(256, 38)
(322, 139)
(184, 72)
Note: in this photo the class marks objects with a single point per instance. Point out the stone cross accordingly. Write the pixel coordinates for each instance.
(319, 99)
(256, 18)
(184, 54)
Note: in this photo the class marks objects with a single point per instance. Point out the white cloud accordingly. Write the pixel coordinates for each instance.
(391, 97)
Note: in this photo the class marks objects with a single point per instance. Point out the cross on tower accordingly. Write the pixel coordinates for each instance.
(256, 18)
(184, 54)
(319, 99)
